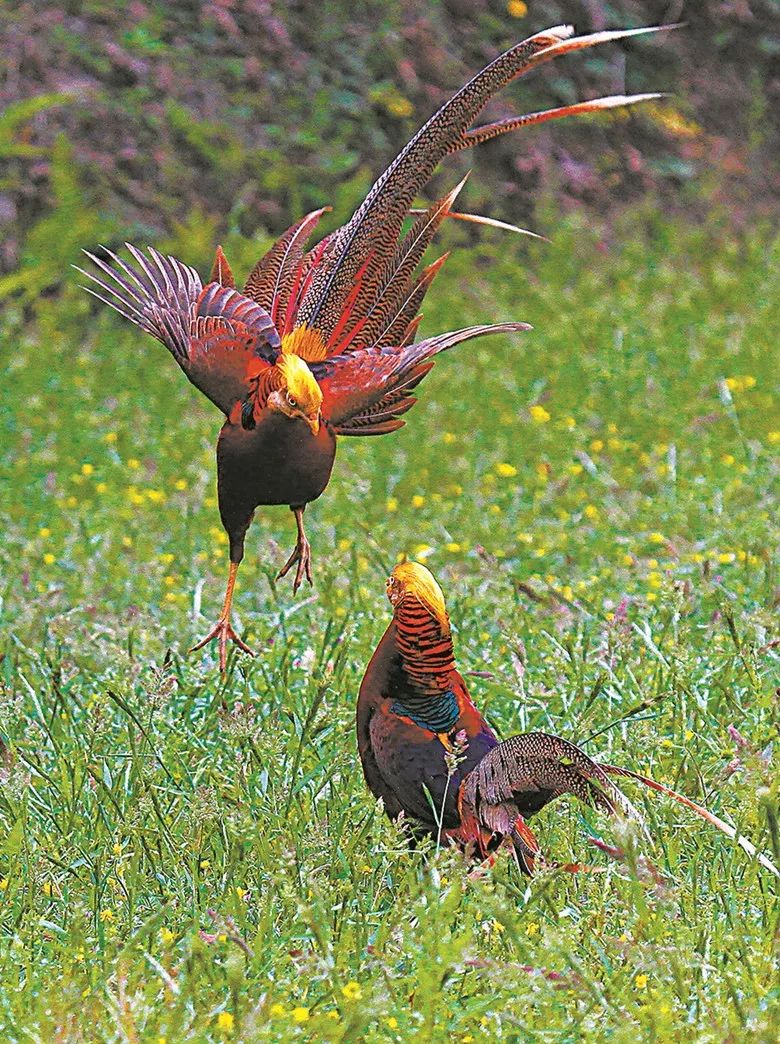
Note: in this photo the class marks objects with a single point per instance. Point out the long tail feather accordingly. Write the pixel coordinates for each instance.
(394, 282)
(396, 328)
(700, 810)
(493, 130)
(376, 224)
(480, 219)
(271, 280)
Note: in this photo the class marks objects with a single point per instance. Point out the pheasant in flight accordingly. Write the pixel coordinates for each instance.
(321, 343)
(428, 753)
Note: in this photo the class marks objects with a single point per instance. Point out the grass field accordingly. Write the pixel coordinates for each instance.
(187, 858)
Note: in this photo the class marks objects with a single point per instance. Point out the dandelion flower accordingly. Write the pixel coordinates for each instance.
(352, 991)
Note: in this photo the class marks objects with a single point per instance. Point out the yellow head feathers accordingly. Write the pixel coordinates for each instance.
(299, 383)
(306, 342)
(412, 580)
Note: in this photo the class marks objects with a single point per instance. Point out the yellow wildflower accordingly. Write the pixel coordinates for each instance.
(44, 532)
(391, 504)
(449, 438)
(167, 936)
(300, 1014)
(87, 469)
(106, 916)
(110, 436)
(392, 1023)
(278, 1011)
(517, 8)
(591, 511)
(532, 929)
(225, 1021)
(352, 991)
(640, 982)
(180, 484)
(453, 547)
(773, 437)
(597, 445)
(418, 501)
(538, 413)
(4, 883)
(133, 463)
(506, 470)
(49, 558)
(241, 892)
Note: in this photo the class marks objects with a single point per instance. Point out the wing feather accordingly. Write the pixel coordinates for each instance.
(356, 383)
(219, 337)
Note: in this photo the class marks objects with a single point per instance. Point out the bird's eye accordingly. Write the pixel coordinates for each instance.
(290, 400)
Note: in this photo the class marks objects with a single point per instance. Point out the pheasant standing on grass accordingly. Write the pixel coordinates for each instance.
(321, 343)
(429, 754)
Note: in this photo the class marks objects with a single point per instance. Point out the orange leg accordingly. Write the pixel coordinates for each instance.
(222, 629)
(301, 555)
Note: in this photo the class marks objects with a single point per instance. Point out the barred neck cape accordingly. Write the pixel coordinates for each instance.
(428, 661)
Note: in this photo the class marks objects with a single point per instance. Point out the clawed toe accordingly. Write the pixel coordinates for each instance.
(302, 557)
(224, 632)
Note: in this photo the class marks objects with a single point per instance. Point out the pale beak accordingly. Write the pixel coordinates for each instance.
(314, 423)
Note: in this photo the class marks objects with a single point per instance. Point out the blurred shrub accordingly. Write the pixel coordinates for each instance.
(196, 120)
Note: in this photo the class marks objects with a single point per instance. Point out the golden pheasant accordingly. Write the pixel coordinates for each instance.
(428, 753)
(320, 343)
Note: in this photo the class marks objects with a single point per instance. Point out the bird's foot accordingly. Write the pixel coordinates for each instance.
(224, 632)
(302, 556)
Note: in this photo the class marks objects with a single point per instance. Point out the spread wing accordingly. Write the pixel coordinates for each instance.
(524, 773)
(366, 392)
(219, 337)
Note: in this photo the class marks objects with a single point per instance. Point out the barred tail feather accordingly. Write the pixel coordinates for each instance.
(493, 130)
(271, 280)
(376, 224)
(700, 810)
